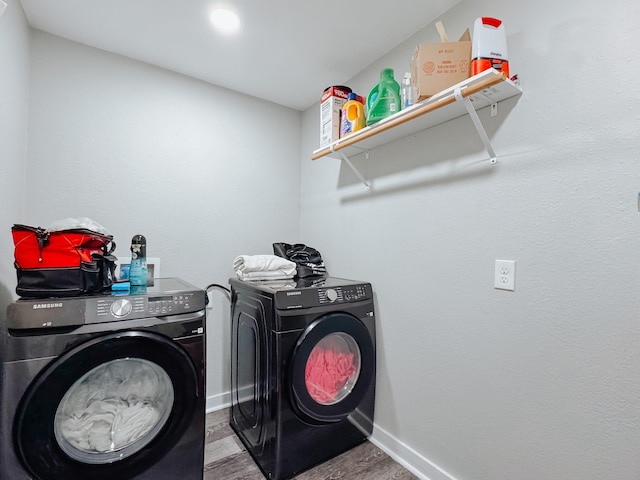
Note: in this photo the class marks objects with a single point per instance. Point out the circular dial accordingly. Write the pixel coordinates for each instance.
(121, 308)
(332, 295)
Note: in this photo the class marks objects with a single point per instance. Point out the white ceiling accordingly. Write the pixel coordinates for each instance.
(287, 52)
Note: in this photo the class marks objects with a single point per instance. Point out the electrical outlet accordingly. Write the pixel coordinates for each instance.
(505, 275)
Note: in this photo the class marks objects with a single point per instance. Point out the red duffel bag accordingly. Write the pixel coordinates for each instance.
(62, 263)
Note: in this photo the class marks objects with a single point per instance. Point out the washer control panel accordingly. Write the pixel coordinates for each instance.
(170, 304)
(167, 296)
(130, 307)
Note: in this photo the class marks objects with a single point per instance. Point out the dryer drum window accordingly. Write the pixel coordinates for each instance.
(113, 410)
(333, 368)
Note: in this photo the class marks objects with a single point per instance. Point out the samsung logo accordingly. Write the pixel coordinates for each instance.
(38, 306)
(289, 294)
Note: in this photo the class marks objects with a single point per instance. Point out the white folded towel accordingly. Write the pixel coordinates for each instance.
(265, 277)
(263, 267)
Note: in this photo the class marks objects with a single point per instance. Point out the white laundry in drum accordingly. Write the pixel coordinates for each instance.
(116, 408)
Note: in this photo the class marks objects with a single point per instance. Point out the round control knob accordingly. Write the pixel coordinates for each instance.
(121, 308)
(332, 295)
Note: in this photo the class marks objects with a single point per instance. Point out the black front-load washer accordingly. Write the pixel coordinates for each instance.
(302, 370)
(105, 386)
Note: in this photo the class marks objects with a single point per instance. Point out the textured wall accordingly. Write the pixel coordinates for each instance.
(14, 94)
(542, 382)
(204, 173)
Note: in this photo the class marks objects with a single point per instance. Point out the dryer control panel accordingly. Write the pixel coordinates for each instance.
(351, 293)
(322, 296)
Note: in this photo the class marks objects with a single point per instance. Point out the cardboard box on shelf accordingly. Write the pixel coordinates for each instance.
(437, 66)
(331, 102)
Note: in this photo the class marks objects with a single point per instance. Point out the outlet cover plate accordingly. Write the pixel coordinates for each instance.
(505, 275)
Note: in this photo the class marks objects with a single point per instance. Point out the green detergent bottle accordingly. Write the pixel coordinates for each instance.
(383, 99)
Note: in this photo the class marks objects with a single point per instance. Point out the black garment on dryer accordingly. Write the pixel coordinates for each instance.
(308, 260)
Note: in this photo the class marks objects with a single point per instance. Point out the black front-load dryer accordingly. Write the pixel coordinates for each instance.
(104, 387)
(302, 370)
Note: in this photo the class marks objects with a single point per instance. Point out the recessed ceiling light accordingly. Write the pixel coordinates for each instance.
(225, 20)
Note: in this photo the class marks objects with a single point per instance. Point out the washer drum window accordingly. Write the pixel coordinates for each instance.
(113, 411)
(108, 408)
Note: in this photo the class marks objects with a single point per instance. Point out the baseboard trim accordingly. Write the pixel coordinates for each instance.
(406, 456)
(218, 402)
(402, 453)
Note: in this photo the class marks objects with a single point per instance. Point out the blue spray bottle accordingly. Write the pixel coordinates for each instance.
(138, 268)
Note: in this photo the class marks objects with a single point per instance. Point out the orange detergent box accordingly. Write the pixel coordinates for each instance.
(437, 66)
(331, 102)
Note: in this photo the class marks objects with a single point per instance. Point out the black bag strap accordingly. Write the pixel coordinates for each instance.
(42, 236)
(112, 247)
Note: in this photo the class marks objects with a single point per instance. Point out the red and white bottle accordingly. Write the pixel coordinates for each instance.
(489, 46)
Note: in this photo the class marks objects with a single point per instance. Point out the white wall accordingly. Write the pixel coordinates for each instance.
(14, 90)
(476, 383)
(540, 383)
(204, 173)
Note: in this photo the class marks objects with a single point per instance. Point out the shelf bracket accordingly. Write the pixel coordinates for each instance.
(477, 123)
(355, 170)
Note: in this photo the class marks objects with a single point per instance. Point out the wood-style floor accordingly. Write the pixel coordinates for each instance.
(225, 458)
